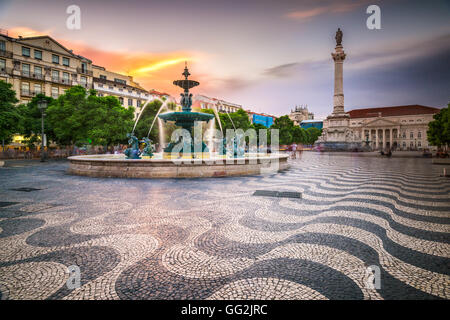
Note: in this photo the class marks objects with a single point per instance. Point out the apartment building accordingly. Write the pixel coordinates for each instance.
(41, 65)
(204, 102)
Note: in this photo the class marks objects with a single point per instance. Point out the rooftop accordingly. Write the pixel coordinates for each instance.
(392, 111)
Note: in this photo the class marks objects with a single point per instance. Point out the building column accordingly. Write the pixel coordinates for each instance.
(384, 139)
(376, 139)
(391, 132)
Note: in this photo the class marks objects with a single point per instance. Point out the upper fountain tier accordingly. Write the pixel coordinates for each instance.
(186, 118)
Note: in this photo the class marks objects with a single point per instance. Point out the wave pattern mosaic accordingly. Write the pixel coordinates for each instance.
(211, 239)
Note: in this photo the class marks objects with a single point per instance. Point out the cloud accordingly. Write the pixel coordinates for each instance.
(400, 52)
(281, 71)
(312, 9)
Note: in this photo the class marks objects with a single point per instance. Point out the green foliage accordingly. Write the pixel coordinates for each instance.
(312, 134)
(79, 117)
(9, 115)
(439, 129)
(31, 121)
(286, 129)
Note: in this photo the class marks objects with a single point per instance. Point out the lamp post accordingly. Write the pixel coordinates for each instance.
(42, 105)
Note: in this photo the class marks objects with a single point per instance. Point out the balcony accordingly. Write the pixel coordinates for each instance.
(36, 76)
(5, 70)
(6, 54)
(63, 81)
(29, 93)
(84, 71)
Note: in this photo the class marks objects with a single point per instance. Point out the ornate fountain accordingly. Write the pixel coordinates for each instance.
(186, 119)
(229, 160)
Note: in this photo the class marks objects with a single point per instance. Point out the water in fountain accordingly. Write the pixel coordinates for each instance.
(228, 117)
(218, 118)
(162, 134)
(156, 117)
(142, 111)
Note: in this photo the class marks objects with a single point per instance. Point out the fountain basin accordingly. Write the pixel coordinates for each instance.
(116, 166)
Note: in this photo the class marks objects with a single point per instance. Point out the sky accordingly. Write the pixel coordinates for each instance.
(268, 56)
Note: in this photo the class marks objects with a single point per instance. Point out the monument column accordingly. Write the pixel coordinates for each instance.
(338, 57)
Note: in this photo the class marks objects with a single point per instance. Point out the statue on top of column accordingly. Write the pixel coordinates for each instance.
(338, 37)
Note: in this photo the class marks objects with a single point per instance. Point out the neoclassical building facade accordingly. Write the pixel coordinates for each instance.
(398, 127)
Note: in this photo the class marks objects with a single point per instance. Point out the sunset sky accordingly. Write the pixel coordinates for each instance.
(265, 55)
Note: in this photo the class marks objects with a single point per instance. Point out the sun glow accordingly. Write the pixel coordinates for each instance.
(158, 65)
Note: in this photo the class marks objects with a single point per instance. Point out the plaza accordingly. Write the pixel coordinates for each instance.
(213, 239)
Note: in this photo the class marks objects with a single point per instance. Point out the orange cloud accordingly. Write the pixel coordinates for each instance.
(151, 70)
(26, 32)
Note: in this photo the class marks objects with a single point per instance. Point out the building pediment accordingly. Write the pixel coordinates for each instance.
(380, 122)
(47, 43)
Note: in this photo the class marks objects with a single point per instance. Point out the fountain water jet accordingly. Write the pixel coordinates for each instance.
(139, 116)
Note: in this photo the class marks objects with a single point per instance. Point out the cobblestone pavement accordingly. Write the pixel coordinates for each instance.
(211, 239)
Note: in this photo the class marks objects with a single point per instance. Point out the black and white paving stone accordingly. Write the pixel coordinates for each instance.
(212, 239)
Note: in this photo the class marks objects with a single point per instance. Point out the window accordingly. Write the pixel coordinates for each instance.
(2, 45)
(100, 85)
(130, 102)
(102, 77)
(411, 135)
(419, 134)
(404, 135)
(2, 64)
(55, 58)
(25, 88)
(83, 67)
(66, 77)
(121, 100)
(419, 144)
(111, 88)
(37, 88)
(55, 92)
(65, 61)
(38, 54)
(38, 72)
(411, 145)
(25, 69)
(83, 81)
(25, 51)
(138, 103)
(55, 75)
(404, 144)
(120, 81)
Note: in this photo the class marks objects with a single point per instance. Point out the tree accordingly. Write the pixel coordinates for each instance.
(9, 115)
(108, 121)
(78, 117)
(299, 135)
(438, 133)
(31, 121)
(286, 128)
(313, 134)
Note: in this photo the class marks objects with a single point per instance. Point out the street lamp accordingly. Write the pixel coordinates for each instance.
(42, 105)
